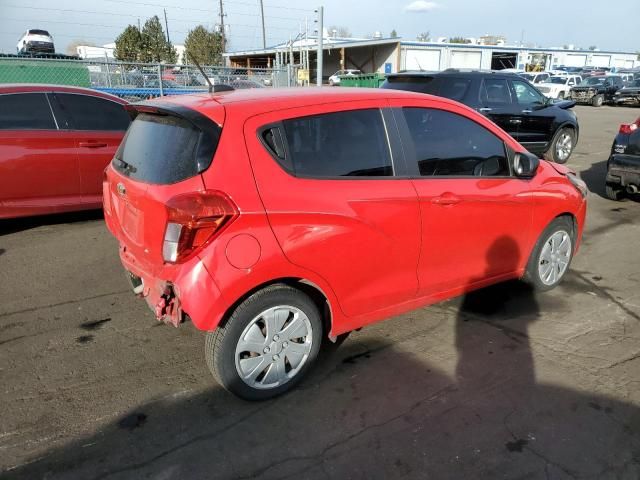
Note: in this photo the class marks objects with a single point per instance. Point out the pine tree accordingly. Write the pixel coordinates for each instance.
(203, 45)
(129, 45)
(155, 47)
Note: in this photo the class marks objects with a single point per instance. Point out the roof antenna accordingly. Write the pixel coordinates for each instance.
(193, 59)
(419, 66)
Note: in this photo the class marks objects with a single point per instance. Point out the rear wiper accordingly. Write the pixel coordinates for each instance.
(125, 166)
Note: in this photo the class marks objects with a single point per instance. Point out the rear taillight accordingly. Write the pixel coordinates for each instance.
(193, 220)
(628, 128)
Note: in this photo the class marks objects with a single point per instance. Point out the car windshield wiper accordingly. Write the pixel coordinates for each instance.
(125, 166)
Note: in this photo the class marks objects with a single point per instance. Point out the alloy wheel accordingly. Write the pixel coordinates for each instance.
(564, 146)
(555, 257)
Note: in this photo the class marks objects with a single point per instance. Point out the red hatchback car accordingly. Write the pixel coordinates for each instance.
(55, 143)
(274, 218)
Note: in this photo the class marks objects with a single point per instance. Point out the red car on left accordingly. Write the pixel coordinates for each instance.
(55, 142)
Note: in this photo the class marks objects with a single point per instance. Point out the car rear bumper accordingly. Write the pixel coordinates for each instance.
(624, 170)
(175, 294)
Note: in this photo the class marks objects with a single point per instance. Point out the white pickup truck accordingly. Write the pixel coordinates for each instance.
(559, 86)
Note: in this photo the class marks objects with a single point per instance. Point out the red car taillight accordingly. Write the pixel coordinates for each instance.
(194, 219)
(628, 128)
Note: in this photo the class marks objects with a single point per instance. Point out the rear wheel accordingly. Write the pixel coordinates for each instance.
(551, 255)
(267, 345)
(597, 101)
(614, 192)
(561, 146)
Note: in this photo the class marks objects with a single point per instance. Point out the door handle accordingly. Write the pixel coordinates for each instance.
(515, 121)
(485, 110)
(446, 199)
(527, 111)
(92, 144)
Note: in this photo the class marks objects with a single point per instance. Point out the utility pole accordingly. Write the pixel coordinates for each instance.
(166, 25)
(138, 24)
(222, 32)
(264, 36)
(320, 12)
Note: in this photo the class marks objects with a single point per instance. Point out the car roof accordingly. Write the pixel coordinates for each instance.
(253, 101)
(47, 88)
(457, 72)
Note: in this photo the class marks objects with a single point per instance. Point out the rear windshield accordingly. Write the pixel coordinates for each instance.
(164, 149)
(419, 83)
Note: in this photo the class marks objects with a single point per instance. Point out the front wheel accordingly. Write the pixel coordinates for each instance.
(267, 345)
(597, 101)
(562, 146)
(551, 255)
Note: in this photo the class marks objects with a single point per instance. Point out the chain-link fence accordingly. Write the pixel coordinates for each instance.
(135, 81)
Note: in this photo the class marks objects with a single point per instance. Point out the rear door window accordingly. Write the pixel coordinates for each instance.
(26, 111)
(340, 144)
(165, 149)
(448, 144)
(495, 92)
(85, 112)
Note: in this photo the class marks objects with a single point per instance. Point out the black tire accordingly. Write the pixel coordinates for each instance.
(220, 344)
(532, 273)
(552, 153)
(597, 101)
(614, 192)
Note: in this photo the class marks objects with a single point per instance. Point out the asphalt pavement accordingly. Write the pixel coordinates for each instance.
(501, 384)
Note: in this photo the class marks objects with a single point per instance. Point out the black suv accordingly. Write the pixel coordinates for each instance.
(623, 166)
(544, 126)
(597, 90)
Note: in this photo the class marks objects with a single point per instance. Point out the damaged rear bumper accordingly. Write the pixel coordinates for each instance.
(175, 294)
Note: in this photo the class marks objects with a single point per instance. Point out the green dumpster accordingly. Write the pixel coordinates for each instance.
(14, 70)
(363, 80)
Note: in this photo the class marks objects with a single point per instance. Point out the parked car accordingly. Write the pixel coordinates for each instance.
(628, 95)
(627, 78)
(55, 143)
(597, 90)
(335, 78)
(574, 70)
(542, 126)
(535, 77)
(274, 246)
(35, 41)
(559, 86)
(623, 165)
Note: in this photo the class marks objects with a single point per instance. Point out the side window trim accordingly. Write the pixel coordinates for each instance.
(408, 147)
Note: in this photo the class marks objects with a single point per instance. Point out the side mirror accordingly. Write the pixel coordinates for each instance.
(525, 165)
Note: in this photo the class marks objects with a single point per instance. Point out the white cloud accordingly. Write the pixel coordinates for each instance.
(420, 6)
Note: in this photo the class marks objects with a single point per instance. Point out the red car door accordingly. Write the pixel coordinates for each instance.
(327, 177)
(38, 165)
(98, 125)
(476, 216)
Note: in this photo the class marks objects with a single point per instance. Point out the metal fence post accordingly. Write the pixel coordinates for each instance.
(289, 74)
(160, 79)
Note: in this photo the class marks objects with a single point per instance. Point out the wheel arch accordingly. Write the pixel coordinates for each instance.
(312, 290)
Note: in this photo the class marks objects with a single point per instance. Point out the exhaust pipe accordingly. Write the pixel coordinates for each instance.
(631, 189)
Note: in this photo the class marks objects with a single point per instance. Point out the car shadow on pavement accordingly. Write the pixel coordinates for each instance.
(15, 225)
(595, 177)
(379, 410)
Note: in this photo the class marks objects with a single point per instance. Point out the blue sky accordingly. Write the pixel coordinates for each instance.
(543, 22)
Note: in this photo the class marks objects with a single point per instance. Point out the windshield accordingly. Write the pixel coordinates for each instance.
(558, 80)
(635, 83)
(593, 81)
